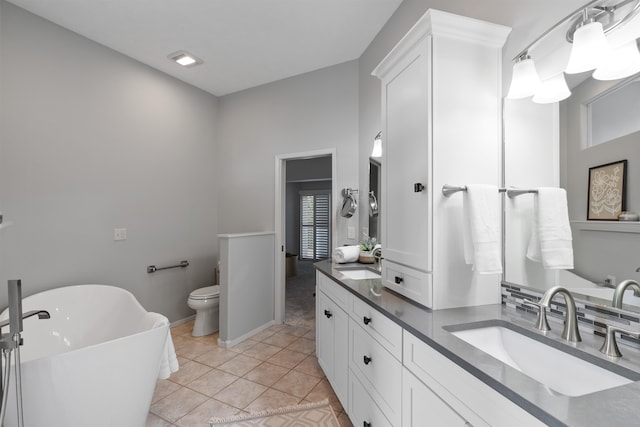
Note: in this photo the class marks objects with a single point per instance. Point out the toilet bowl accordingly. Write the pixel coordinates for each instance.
(206, 303)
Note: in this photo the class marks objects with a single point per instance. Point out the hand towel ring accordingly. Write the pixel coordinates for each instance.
(373, 204)
(349, 204)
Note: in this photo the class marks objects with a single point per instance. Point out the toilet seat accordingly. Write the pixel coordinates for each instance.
(205, 293)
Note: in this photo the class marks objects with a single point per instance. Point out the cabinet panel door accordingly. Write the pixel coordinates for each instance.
(324, 331)
(340, 381)
(332, 346)
(421, 406)
(406, 160)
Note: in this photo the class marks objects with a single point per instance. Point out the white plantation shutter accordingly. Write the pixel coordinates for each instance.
(315, 225)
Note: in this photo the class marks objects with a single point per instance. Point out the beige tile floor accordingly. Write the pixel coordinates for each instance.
(275, 368)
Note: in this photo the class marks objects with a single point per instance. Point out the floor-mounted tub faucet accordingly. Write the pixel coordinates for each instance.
(570, 331)
(42, 314)
(618, 294)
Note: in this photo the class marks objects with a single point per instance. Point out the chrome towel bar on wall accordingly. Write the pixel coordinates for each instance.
(515, 192)
(448, 190)
(153, 268)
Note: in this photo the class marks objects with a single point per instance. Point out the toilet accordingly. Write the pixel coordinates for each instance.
(206, 302)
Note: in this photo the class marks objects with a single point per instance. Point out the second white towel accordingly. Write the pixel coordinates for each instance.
(551, 239)
(344, 254)
(481, 205)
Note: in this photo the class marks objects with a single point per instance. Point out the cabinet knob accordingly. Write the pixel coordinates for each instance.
(366, 424)
(366, 360)
(418, 187)
(366, 320)
(328, 314)
(399, 280)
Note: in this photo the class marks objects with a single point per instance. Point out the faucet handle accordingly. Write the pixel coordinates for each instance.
(610, 346)
(541, 323)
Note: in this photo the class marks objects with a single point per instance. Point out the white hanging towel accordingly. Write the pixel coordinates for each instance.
(168, 360)
(551, 239)
(481, 204)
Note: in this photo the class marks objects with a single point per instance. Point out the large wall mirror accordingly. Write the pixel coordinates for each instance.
(375, 172)
(559, 123)
(556, 145)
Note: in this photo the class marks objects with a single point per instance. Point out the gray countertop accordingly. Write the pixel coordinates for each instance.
(619, 406)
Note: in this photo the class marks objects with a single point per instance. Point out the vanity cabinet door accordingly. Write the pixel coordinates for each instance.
(406, 183)
(332, 343)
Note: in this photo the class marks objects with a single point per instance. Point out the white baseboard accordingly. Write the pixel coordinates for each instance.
(231, 343)
(182, 321)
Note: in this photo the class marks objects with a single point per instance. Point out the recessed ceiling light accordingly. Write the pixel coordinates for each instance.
(185, 58)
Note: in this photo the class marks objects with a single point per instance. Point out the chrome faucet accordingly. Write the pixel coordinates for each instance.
(610, 346)
(616, 301)
(42, 314)
(377, 255)
(570, 331)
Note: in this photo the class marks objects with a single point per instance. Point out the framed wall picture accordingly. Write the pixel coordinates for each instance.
(607, 187)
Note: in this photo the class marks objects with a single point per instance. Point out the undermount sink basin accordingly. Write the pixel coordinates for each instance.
(562, 372)
(359, 274)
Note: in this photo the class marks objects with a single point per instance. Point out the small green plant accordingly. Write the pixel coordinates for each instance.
(368, 244)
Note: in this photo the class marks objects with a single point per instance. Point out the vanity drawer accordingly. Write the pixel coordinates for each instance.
(378, 370)
(337, 293)
(414, 284)
(363, 410)
(380, 327)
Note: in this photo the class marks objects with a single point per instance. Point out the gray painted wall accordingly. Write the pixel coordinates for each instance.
(93, 140)
(313, 111)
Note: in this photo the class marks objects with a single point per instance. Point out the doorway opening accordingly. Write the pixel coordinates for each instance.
(304, 211)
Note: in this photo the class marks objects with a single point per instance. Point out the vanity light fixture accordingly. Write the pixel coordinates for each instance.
(553, 89)
(184, 58)
(589, 30)
(590, 47)
(377, 145)
(524, 81)
(623, 61)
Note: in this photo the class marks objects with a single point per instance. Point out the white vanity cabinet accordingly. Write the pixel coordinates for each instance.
(332, 334)
(386, 376)
(441, 124)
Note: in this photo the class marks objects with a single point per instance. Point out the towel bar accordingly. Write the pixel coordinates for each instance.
(515, 192)
(153, 268)
(448, 190)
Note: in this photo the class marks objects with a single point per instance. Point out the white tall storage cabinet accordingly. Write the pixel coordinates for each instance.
(441, 124)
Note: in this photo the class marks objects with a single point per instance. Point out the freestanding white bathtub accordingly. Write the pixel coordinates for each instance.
(95, 362)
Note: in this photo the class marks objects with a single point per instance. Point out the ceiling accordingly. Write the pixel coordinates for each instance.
(243, 43)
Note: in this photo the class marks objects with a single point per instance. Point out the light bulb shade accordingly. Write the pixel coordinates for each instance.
(624, 61)
(552, 90)
(377, 147)
(524, 80)
(590, 48)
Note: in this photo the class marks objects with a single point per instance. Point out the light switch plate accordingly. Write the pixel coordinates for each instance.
(351, 232)
(119, 234)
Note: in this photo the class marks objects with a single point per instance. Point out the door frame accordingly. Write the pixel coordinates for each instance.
(280, 217)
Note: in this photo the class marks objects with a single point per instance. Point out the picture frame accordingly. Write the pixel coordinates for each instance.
(606, 197)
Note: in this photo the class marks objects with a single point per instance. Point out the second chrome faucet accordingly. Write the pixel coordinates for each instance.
(570, 331)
